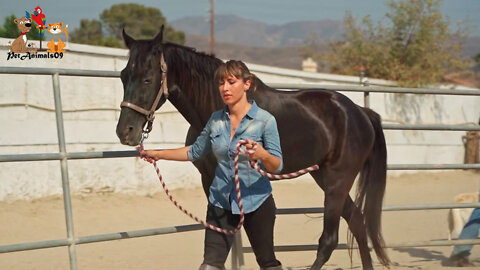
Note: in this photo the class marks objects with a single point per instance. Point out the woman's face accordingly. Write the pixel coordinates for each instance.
(233, 89)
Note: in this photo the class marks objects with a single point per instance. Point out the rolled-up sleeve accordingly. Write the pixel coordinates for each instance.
(202, 144)
(271, 140)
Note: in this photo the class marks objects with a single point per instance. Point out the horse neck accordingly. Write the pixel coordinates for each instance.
(191, 79)
(263, 95)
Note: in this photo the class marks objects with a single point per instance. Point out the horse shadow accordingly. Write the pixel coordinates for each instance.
(422, 255)
(426, 255)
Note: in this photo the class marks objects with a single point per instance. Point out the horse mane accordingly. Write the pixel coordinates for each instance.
(193, 72)
(188, 48)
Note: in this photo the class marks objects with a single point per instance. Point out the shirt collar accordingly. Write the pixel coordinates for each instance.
(253, 110)
(251, 113)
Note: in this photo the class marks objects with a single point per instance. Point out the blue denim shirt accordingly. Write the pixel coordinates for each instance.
(258, 125)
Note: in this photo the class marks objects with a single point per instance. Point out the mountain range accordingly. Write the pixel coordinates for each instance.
(247, 39)
(233, 29)
(279, 45)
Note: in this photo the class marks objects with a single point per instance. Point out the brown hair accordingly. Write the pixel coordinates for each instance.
(238, 69)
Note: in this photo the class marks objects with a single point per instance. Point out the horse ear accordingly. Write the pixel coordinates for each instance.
(159, 37)
(127, 39)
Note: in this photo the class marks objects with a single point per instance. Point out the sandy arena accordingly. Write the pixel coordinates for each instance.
(43, 219)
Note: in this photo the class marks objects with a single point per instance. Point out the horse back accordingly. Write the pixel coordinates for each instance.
(317, 126)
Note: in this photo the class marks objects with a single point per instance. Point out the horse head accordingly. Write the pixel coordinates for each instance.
(144, 86)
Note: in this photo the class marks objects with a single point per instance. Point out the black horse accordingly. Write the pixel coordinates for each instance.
(316, 127)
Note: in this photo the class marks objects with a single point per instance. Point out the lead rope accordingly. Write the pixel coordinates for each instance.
(254, 165)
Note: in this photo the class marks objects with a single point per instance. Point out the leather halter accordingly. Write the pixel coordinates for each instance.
(163, 90)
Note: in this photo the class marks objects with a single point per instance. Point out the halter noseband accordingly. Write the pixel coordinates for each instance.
(163, 90)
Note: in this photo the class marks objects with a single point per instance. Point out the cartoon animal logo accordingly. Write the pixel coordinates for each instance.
(56, 29)
(19, 45)
(39, 18)
(31, 47)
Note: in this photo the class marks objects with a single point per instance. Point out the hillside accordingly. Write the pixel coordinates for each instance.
(233, 29)
(286, 57)
(246, 32)
(278, 45)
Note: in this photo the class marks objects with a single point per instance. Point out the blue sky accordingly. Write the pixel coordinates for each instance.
(268, 11)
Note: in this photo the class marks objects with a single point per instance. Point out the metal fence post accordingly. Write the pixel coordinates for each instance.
(238, 261)
(64, 170)
(366, 99)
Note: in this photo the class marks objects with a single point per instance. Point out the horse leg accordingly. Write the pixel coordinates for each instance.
(336, 191)
(334, 201)
(354, 217)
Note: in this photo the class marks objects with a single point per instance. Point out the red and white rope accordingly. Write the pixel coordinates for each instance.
(254, 165)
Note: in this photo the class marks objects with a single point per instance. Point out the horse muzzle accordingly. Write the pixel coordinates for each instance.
(129, 134)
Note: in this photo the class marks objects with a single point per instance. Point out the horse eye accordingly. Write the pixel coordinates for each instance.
(147, 81)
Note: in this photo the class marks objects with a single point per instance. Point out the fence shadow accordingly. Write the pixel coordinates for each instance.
(423, 254)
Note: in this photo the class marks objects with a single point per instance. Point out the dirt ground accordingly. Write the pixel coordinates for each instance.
(29, 221)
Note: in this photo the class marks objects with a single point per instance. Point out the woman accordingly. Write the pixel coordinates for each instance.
(240, 119)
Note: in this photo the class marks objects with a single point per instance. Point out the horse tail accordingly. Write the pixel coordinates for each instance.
(371, 188)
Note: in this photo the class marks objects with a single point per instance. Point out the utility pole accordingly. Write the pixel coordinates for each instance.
(212, 26)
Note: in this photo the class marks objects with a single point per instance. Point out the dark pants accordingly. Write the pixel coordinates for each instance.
(258, 226)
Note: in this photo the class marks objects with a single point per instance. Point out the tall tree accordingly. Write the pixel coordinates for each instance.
(139, 21)
(10, 29)
(477, 59)
(412, 46)
(90, 32)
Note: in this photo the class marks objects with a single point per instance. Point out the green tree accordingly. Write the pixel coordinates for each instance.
(414, 47)
(477, 59)
(139, 21)
(10, 29)
(90, 32)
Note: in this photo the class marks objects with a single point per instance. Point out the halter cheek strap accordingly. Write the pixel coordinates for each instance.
(163, 67)
(162, 91)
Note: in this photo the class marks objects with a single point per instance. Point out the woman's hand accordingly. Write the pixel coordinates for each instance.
(256, 154)
(270, 161)
(150, 155)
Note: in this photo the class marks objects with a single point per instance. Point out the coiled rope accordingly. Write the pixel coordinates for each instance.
(254, 165)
